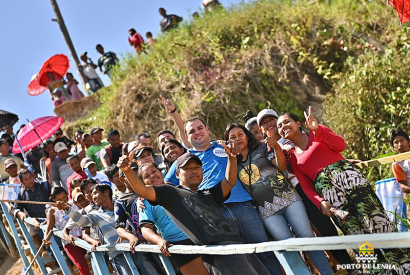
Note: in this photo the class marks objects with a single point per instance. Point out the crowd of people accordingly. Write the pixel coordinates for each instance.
(269, 179)
(63, 90)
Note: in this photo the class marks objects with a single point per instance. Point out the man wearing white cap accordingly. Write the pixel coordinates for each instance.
(10, 166)
(60, 170)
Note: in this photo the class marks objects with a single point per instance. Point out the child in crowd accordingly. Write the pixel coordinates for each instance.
(58, 98)
(57, 218)
(151, 41)
(401, 169)
(135, 40)
(72, 83)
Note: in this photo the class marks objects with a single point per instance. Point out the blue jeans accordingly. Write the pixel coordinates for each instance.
(144, 267)
(295, 216)
(121, 267)
(95, 84)
(247, 222)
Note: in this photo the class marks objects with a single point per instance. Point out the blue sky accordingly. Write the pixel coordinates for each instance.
(29, 37)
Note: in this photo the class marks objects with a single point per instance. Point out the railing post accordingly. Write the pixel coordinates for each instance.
(167, 265)
(17, 240)
(285, 264)
(32, 246)
(100, 264)
(58, 256)
(130, 262)
(8, 243)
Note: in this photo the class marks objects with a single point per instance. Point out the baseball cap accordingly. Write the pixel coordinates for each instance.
(83, 54)
(131, 146)
(76, 193)
(264, 113)
(183, 160)
(60, 146)
(95, 129)
(9, 162)
(139, 150)
(85, 162)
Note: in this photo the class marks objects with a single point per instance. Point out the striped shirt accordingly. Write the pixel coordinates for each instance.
(102, 221)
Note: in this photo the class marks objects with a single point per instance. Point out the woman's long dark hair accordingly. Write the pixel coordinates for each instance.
(295, 118)
(173, 141)
(45, 152)
(252, 141)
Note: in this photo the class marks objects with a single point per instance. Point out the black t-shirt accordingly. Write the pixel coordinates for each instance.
(123, 209)
(197, 213)
(116, 154)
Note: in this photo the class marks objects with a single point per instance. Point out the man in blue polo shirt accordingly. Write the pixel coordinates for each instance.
(238, 209)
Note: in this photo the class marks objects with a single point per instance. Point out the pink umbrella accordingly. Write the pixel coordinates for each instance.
(36, 131)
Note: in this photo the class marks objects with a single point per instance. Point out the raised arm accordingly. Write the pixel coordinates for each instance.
(92, 63)
(171, 108)
(323, 134)
(231, 173)
(280, 160)
(148, 192)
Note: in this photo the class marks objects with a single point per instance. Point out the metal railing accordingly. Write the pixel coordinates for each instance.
(383, 240)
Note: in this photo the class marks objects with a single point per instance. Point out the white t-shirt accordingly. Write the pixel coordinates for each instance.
(287, 145)
(100, 177)
(89, 71)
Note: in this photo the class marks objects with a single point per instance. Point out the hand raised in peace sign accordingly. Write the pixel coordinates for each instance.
(167, 103)
(311, 122)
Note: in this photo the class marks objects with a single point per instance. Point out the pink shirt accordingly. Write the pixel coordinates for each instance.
(323, 149)
(76, 94)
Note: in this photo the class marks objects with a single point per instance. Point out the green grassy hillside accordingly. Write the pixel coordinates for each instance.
(347, 59)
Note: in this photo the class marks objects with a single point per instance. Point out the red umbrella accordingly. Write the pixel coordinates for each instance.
(403, 9)
(34, 87)
(36, 131)
(57, 64)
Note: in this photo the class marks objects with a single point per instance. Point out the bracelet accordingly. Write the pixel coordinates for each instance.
(171, 112)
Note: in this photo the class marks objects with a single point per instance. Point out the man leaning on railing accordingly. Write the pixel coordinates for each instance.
(32, 191)
(103, 222)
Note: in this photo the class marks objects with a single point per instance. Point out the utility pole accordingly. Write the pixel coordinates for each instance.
(59, 19)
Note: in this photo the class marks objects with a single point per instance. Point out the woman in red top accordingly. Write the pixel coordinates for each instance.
(331, 181)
